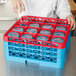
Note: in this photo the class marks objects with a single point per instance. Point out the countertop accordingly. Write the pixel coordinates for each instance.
(9, 68)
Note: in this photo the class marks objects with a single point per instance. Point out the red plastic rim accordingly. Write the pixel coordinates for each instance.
(41, 21)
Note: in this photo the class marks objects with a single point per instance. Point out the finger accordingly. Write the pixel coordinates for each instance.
(73, 27)
(72, 24)
(15, 9)
(69, 21)
(19, 7)
(22, 6)
(14, 6)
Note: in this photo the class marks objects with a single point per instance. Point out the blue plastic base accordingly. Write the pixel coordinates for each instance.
(43, 56)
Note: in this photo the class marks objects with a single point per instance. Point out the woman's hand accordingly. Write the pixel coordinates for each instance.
(71, 21)
(18, 5)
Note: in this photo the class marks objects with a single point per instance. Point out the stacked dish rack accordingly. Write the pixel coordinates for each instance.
(44, 53)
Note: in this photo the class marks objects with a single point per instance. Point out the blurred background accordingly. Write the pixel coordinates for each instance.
(8, 17)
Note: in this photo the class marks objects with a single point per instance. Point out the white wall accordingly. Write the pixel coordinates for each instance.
(6, 10)
(7, 16)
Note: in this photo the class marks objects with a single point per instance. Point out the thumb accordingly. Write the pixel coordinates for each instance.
(68, 20)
